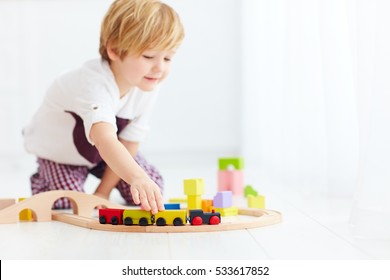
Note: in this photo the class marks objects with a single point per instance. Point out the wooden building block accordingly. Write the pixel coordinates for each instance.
(248, 190)
(207, 204)
(171, 206)
(223, 199)
(194, 186)
(178, 200)
(194, 202)
(26, 214)
(229, 211)
(235, 162)
(256, 201)
(231, 180)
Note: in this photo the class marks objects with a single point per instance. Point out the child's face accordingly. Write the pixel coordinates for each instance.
(144, 72)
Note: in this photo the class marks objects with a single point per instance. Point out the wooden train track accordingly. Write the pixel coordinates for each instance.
(247, 218)
(84, 205)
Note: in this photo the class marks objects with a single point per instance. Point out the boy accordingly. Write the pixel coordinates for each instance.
(93, 118)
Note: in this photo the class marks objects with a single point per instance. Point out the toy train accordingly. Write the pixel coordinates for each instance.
(179, 217)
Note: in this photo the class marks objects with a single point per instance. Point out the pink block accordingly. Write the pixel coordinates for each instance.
(231, 180)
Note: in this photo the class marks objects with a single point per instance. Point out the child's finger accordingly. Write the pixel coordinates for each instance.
(135, 195)
(144, 200)
(152, 202)
(159, 199)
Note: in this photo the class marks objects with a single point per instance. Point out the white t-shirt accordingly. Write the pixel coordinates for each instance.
(59, 131)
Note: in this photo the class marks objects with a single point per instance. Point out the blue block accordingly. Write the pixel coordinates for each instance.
(171, 206)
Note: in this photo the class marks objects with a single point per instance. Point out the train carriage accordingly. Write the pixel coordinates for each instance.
(137, 217)
(111, 216)
(171, 217)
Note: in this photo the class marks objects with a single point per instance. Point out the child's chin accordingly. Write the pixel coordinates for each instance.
(148, 88)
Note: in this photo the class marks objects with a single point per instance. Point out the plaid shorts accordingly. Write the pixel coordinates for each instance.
(55, 176)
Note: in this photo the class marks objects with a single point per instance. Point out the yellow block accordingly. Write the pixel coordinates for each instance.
(256, 201)
(194, 202)
(194, 186)
(229, 211)
(178, 199)
(26, 214)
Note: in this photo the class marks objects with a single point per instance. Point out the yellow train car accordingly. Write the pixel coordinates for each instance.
(137, 217)
(171, 217)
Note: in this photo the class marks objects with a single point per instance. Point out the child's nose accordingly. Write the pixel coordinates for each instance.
(158, 67)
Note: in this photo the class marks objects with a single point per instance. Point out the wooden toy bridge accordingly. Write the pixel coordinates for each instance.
(41, 205)
(84, 205)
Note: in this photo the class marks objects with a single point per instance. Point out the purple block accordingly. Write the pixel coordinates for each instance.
(223, 199)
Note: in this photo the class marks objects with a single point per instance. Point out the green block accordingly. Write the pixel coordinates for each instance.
(250, 191)
(236, 162)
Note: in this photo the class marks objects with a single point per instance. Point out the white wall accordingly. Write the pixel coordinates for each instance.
(199, 108)
(39, 40)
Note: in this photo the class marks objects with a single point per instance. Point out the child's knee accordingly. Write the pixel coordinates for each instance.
(38, 184)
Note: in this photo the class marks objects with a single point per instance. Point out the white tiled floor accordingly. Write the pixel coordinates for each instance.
(313, 227)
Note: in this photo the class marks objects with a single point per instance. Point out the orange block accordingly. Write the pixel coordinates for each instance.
(207, 204)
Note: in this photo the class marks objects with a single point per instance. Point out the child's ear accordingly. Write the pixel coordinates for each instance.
(111, 52)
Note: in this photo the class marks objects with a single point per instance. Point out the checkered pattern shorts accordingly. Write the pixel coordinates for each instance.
(55, 176)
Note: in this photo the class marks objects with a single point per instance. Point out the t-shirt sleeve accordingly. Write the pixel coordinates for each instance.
(94, 107)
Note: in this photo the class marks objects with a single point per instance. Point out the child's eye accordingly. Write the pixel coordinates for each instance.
(167, 59)
(147, 56)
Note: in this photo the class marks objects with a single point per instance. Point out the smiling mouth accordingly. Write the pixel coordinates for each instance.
(152, 79)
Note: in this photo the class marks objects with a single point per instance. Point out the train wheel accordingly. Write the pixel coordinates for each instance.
(102, 220)
(143, 221)
(114, 220)
(177, 222)
(161, 222)
(214, 220)
(197, 221)
(128, 221)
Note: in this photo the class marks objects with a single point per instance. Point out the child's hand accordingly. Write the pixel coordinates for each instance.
(146, 192)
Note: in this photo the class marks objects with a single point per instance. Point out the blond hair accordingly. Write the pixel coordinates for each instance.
(133, 26)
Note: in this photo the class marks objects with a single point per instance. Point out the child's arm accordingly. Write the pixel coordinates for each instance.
(107, 183)
(109, 179)
(115, 154)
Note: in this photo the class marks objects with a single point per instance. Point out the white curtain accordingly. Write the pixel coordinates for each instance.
(316, 100)
(371, 211)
